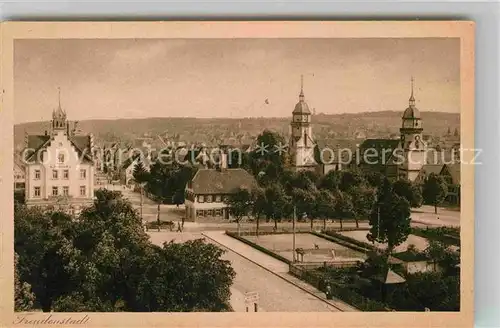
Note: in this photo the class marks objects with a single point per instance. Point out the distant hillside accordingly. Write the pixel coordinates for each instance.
(326, 126)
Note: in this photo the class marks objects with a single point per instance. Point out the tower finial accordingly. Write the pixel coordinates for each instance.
(412, 98)
(301, 96)
(59, 95)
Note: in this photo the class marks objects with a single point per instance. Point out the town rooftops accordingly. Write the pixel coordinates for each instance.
(220, 181)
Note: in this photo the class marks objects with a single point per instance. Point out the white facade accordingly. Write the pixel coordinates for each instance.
(412, 142)
(301, 139)
(59, 168)
(58, 173)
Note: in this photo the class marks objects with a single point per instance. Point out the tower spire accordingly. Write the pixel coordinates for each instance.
(301, 96)
(412, 98)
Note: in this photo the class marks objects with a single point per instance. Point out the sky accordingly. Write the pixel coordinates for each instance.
(138, 78)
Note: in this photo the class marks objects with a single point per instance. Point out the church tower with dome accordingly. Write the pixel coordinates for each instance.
(301, 140)
(411, 142)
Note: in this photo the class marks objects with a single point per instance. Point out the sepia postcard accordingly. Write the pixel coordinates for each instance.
(237, 174)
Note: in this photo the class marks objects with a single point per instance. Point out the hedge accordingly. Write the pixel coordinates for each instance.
(345, 241)
(163, 224)
(258, 247)
(344, 293)
(447, 235)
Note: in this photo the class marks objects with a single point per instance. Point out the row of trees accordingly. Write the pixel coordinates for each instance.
(104, 261)
(352, 191)
(339, 195)
(166, 182)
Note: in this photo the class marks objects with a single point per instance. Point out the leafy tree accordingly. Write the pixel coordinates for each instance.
(140, 173)
(24, 298)
(374, 178)
(330, 181)
(326, 205)
(278, 204)
(259, 205)
(434, 190)
(168, 181)
(351, 179)
(344, 208)
(363, 199)
(103, 261)
(410, 191)
(305, 202)
(267, 157)
(240, 204)
(390, 218)
(434, 291)
(440, 253)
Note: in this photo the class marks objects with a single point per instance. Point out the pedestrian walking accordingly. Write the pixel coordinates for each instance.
(179, 229)
(182, 225)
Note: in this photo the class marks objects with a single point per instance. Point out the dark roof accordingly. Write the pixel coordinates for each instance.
(411, 112)
(225, 181)
(36, 143)
(301, 108)
(333, 153)
(454, 170)
(383, 150)
(82, 143)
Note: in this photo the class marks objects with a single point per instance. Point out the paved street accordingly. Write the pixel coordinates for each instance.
(425, 215)
(256, 271)
(276, 294)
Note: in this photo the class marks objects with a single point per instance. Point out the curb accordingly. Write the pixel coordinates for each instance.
(276, 274)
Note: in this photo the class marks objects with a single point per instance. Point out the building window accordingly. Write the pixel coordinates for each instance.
(37, 174)
(66, 174)
(55, 191)
(60, 157)
(218, 198)
(83, 174)
(209, 198)
(201, 199)
(226, 199)
(82, 191)
(37, 192)
(65, 190)
(55, 174)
